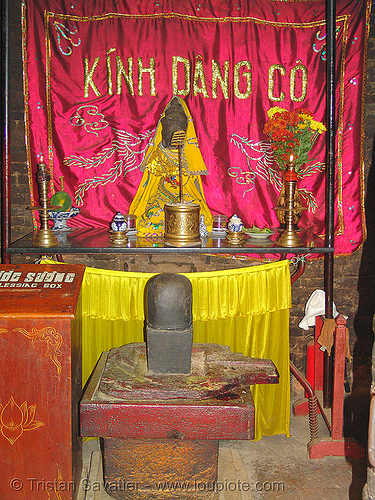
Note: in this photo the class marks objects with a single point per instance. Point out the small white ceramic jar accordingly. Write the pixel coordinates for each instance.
(235, 224)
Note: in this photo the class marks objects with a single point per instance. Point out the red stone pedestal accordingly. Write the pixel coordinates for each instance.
(182, 469)
(40, 371)
(155, 447)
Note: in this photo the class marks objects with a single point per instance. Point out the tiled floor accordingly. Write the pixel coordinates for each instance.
(275, 467)
(279, 467)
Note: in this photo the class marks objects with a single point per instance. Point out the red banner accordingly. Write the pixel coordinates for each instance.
(99, 75)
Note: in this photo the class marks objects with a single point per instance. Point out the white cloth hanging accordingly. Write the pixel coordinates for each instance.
(315, 306)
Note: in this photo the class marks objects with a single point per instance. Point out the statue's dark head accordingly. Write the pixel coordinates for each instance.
(174, 120)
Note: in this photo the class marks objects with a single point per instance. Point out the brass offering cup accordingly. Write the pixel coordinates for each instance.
(235, 238)
(118, 238)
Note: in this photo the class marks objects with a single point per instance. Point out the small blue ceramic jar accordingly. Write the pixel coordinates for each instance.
(118, 222)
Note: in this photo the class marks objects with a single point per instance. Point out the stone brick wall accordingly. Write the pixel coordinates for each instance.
(353, 275)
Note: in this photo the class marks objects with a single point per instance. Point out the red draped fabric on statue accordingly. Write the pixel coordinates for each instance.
(98, 75)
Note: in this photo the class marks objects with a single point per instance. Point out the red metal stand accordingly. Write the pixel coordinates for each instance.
(336, 444)
(315, 373)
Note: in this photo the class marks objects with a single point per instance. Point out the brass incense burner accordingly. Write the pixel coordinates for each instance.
(182, 224)
(181, 219)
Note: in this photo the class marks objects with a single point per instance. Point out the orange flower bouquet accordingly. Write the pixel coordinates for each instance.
(292, 133)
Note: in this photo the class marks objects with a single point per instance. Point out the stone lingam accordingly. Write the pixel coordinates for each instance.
(161, 407)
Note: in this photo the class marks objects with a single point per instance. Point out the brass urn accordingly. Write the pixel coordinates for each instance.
(182, 224)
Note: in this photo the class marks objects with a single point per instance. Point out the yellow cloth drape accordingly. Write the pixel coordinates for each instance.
(155, 191)
(247, 309)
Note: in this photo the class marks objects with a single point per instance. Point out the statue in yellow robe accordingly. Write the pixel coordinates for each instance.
(160, 181)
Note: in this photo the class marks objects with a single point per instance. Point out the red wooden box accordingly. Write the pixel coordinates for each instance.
(40, 371)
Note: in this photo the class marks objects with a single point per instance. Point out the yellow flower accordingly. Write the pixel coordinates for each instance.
(274, 110)
(318, 126)
(304, 117)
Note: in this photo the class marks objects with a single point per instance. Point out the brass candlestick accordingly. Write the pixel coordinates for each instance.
(45, 236)
(289, 237)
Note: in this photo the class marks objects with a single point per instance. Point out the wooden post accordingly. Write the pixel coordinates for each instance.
(338, 379)
(319, 356)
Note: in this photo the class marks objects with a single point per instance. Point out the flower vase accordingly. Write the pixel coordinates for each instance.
(281, 203)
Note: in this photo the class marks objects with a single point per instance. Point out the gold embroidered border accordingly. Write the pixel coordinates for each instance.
(26, 109)
(48, 94)
(362, 160)
(187, 17)
(341, 126)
